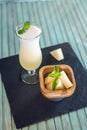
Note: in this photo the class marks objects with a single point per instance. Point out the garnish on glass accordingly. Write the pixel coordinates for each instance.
(25, 27)
(55, 73)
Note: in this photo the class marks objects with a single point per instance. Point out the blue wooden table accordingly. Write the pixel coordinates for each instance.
(61, 21)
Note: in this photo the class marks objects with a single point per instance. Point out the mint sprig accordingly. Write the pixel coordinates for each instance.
(54, 84)
(21, 31)
(56, 73)
(25, 27)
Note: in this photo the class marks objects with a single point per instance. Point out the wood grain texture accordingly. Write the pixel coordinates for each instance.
(61, 21)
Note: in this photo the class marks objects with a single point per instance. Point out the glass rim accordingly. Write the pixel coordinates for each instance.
(21, 25)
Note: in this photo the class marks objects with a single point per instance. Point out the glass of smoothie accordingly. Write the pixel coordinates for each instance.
(30, 55)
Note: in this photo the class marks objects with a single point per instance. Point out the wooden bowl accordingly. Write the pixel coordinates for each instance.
(56, 95)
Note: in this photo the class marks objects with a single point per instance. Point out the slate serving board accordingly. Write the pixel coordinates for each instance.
(27, 104)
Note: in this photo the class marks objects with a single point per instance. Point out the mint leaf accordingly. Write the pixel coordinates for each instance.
(26, 25)
(56, 69)
(55, 73)
(21, 31)
(54, 84)
(52, 75)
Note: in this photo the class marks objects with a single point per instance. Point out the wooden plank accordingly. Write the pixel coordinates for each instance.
(1, 107)
(82, 18)
(50, 124)
(11, 31)
(74, 121)
(85, 111)
(84, 3)
(66, 122)
(22, 0)
(1, 118)
(71, 27)
(58, 123)
(40, 20)
(80, 26)
(76, 34)
(25, 128)
(33, 127)
(13, 127)
(53, 10)
(72, 30)
(41, 125)
(15, 23)
(79, 41)
(25, 12)
(4, 31)
(60, 19)
(1, 98)
(82, 118)
(19, 20)
(19, 13)
(5, 52)
(50, 28)
(0, 30)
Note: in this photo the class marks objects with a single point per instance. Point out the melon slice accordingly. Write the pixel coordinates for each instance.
(57, 54)
(65, 80)
(59, 85)
(48, 80)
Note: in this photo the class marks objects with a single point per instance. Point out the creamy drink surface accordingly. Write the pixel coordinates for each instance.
(30, 55)
(31, 33)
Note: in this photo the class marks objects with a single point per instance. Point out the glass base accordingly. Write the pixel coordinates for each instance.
(29, 77)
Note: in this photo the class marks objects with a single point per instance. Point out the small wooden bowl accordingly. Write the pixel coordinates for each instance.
(56, 95)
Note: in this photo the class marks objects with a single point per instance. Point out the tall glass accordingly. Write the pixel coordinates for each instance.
(30, 55)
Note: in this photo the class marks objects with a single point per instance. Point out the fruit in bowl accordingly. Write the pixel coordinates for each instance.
(57, 81)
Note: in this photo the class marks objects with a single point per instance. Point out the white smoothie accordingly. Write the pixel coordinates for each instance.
(30, 55)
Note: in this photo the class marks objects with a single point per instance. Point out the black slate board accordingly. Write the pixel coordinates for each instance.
(27, 104)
